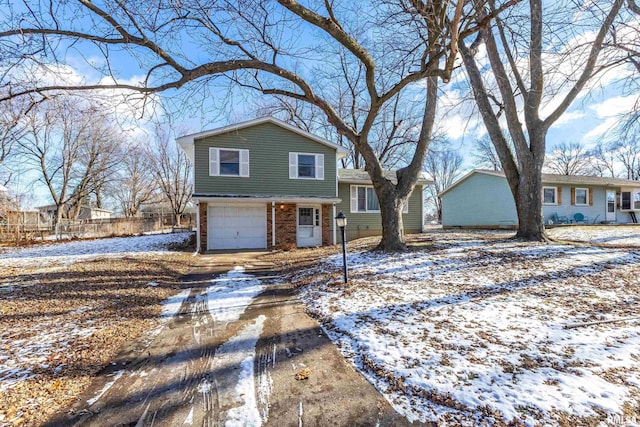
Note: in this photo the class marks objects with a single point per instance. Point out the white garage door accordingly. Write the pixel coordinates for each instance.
(237, 227)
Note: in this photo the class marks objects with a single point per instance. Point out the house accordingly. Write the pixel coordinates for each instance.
(86, 212)
(482, 198)
(264, 184)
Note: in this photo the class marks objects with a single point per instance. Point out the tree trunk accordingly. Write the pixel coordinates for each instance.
(393, 239)
(177, 219)
(528, 200)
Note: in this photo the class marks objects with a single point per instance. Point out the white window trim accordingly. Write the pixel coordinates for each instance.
(555, 196)
(293, 166)
(586, 197)
(214, 162)
(353, 192)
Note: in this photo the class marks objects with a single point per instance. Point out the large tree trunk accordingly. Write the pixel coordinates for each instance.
(529, 207)
(393, 239)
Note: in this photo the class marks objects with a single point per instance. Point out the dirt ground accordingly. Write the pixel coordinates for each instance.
(62, 324)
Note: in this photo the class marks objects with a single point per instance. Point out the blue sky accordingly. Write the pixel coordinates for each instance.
(588, 120)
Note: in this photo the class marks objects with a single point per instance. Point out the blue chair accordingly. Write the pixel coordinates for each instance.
(578, 217)
(554, 218)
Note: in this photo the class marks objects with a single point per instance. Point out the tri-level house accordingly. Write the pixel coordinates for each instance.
(264, 184)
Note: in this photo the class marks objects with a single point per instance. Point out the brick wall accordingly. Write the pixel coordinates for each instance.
(203, 227)
(286, 225)
(327, 213)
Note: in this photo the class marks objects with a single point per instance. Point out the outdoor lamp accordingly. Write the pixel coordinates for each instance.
(341, 221)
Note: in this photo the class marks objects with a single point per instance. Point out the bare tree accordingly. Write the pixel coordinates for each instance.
(258, 45)
(66, 143)
(172, 171)
(517, 57)
(443, 166)
(568, 159)
(135, 183)
(485, 154)
(603, 160)
(628, 154)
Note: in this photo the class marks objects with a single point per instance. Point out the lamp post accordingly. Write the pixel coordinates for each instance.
(341, 221)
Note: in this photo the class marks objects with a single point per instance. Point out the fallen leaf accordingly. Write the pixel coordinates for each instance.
(303, 374)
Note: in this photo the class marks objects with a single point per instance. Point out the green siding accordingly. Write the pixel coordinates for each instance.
(362, 224)
(481, 200)
(269, 146)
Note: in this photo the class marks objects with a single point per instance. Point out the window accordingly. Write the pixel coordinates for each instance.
(582, 197)
(626, 200)
(228, 162)
(306, 166)
(364, 199)
(549, 195)
(636, 200)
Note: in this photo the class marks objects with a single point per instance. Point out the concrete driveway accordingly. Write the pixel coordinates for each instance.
(241, 351)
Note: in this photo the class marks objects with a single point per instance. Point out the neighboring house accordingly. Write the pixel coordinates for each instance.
(264, 184)
(86, 212)
(482, 198)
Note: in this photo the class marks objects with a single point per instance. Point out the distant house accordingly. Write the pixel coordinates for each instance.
(264, 183)
(86, 212)
(482, 198)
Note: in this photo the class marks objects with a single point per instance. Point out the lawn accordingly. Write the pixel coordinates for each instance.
(473, 328)
(66, 309)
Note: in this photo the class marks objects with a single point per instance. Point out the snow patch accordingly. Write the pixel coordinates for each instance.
(231, 294)
(106, 387)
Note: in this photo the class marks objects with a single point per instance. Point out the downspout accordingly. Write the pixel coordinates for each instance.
(273, 224)
(198, 243)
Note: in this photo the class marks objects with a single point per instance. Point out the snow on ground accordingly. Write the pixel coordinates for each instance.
(236, 388)
(607, 235)
(84, 250)
(472, 327)
(231, 294)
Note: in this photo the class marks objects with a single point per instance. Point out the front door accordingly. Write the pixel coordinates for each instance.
(611, 206)
(309, 226)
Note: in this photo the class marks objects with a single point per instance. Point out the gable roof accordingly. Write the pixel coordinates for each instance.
(186, 141)
(550, 178)
(360, 176)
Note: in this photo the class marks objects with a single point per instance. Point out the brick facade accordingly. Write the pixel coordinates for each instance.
(203, 226)
(327, 212)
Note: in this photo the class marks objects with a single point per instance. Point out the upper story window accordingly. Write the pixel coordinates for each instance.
(228, 162)
(550, 195)
(582, 197)
(364, 199)
(306, 166)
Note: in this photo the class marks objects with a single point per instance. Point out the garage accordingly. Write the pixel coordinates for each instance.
(237, 227)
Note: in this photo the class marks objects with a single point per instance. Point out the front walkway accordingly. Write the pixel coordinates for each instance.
(233, 358)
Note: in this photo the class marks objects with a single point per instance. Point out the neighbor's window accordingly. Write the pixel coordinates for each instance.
(306, 166)
(549, 195)
(582, 195)
(230, 162)
(626, 200)
(636, 200)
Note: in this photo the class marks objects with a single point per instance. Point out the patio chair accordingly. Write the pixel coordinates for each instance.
(554, 218)
(578, 217)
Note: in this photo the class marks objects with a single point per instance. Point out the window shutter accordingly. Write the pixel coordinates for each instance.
(293, 165)
(590, 197)
(354, 199)
(320, 166)
(559, 196)
(214, 162)
(244, 163)
(573, 196)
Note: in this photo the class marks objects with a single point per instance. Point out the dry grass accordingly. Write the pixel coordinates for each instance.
(59, 326)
